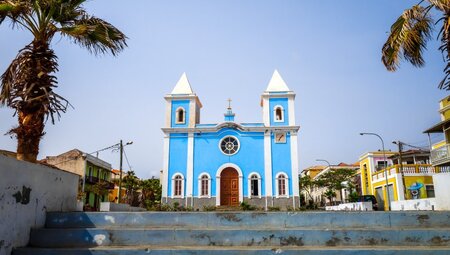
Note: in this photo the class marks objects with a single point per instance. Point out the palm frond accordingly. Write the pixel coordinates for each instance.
(97, 35)
(445, 49)
(441, 5)
(29, 81)
(408, 37)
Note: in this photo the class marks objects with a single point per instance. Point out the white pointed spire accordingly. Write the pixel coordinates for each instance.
(183, 86)
(277, 83)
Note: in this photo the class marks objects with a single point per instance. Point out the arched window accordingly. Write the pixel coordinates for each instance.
(180, 116)
(205, 188)
(178, 186)
(254, 185)
(282, 185)
(278, 113)
(204, 185)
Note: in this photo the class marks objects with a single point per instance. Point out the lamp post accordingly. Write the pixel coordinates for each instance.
(120, 168)
(323, 160)
(385, 167)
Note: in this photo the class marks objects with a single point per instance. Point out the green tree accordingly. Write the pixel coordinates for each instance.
(151, 193)
(132, 184)
(100, 189)
(411, 32)
(28, 83)
(334, 179)
(307, 184)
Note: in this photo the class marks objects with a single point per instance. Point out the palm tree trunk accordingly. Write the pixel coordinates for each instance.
(31, 73)
(29, 134)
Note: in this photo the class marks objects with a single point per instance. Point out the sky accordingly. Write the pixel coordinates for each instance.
(328, 52)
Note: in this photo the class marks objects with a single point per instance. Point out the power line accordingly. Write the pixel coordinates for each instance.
(126, 158)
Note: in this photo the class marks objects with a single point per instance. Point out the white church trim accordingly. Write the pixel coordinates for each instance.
(240, 177)
(268, 164)
(275, 108)
(183, 180)
(165, 172)
(294, 168)
(200, 185)
(286, 185)
(190, 166)
(250, 185)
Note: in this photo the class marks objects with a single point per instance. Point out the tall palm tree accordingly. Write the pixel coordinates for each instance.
(28, 83)
(411, 32)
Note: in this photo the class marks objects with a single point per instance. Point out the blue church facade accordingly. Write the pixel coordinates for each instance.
(227, 163)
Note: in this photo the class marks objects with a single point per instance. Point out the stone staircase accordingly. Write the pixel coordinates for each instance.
(307, 233)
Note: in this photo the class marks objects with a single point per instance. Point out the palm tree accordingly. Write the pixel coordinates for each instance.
(28, 83)
(411, 32)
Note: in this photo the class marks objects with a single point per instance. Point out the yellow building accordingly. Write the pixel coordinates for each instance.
(440, 152)
(410, 178)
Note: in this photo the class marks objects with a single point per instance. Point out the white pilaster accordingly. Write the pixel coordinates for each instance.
(268, 163)
(192, 114)
(168, 113)
(294, 165)
(165, 180)
(266, 112)
(291, 110)
(399, 184)
(190, 166)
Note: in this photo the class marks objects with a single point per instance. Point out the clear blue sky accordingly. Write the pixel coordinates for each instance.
(328, 52)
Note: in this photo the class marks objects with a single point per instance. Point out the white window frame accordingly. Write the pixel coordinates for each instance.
(200, 185)
(182, 185)
(250, 185)
(176, 115)
(277, 193)
(275, 113)
(238, 144)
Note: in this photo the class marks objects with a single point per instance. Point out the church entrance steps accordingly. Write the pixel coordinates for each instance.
(57, 238)
(242, 233)
(250, 219)
(216, 250)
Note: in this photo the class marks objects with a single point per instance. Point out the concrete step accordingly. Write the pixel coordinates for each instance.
(218, 250)
(61, 238)
(279, 220)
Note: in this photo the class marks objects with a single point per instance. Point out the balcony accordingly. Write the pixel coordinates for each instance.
(94, 180)
(410, 170)
(440, 155)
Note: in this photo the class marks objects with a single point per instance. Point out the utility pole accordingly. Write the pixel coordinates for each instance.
(120, 170)
(400, 162)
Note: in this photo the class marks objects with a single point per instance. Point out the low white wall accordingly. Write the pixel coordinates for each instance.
(113, 207)
(442, 190)
(426, 204)
(27, 192)
(358, 206)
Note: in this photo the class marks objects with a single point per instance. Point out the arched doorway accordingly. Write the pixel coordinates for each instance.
(229, 187)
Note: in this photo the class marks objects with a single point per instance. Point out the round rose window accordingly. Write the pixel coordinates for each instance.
(229, 145)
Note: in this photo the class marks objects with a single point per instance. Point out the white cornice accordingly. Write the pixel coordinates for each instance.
(230, 125)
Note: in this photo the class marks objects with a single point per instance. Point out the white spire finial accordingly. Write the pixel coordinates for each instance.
(183, 86)
(277, 83)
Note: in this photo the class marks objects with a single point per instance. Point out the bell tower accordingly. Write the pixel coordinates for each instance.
(277, 102)
(183, 105)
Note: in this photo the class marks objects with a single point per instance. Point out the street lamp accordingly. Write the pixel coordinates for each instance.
(120, 169)
(385, 167)
(323, 160)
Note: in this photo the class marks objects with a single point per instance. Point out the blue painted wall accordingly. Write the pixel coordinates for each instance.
(281, 161)
(175, 105)
(208, 157)
(177, 158)
(284, 103)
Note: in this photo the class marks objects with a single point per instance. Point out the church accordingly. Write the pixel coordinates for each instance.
(224, 164)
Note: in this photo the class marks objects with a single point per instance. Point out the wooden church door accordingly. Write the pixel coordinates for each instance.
(229, 187)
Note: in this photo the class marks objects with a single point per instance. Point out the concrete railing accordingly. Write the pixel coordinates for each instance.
(410, 170)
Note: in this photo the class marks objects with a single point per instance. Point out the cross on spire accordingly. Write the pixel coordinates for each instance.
(229, 103)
